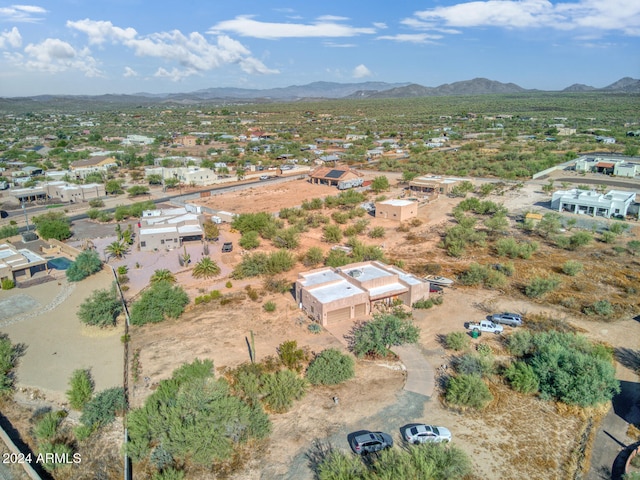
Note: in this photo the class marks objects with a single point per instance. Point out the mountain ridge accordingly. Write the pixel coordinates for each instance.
(317, 91)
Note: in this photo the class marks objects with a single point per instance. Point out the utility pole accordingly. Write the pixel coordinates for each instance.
(26, 219)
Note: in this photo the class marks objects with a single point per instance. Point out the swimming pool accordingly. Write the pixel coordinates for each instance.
(60, 263)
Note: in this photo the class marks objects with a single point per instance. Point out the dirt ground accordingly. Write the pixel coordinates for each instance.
(57, 343)
(516, 437)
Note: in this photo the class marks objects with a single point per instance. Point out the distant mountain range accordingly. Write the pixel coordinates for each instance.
(320, 91)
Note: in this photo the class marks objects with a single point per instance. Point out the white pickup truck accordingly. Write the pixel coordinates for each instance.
(485, 326)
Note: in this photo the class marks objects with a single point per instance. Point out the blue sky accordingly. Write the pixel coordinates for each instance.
(128, 46)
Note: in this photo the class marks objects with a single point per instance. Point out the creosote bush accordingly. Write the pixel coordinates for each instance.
(330, 367)
(468, 391)
(457, 341)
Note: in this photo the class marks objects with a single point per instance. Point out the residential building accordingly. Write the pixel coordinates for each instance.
(186, 140)
(331, 295)
(66, 192)
(333, 176)
(433, 184)
(397, 209)
(137, 140)
(590, 202)
(187, 175)
(169, 228)
(95, 164)
(626, 169)
(19, 264)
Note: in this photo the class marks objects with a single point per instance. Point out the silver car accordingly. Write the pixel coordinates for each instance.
(427, 433)
(370, 442)
(506, 318)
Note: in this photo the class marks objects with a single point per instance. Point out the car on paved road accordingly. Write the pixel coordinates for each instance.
(427, 433)
(370, 442)
(506, 318)
(264, 177)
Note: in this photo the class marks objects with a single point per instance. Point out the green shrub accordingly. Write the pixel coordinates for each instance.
(269, 307)
(468, 391)
(82, 432)
(474, 364)
(47, 426)
(9, 355)
(377, 336)
(331, 234)
(288, 238)
(540, 286)
(457, 341)
(59, 450)
(509, 247)
(96, 203)
(250, 240)
(280, 389)
(617, 228)
(314, 328)
(313, 257)
(330, 367)
(572, 268)
(161, 300)
(228, 284)
(634, 246)
(81, 388)
(53, 225)
(608, 237)
(520, 343)
(522, 377)
(337, 258)
(7, 284)
(103, 408)
(291, 356)
(423, 304)
(377, 232)
(7, 231)
(101, 308)
(340, 217)
(86, 263)
(601, 308)
(261, 263)
(579, 239)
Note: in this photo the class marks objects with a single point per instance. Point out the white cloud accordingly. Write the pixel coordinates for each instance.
(248, 27)
(101, 31)
(192, 52)
(10, 38)
(22, 13)
(612, 15)
(361, 72)
(130, 72)
(411, 37)
(331, 18)
(339, 45)
(175, 75)
(54, 55)
(380, 25)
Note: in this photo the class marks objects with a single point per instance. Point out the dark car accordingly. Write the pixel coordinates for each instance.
(3, 214)
(227, 247)
(511, 319)
(435, 288)
(370, 442)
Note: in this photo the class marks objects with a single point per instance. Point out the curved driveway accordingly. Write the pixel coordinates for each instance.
(420, 375)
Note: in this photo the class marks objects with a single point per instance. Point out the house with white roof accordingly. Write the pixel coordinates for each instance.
(166, 229)
(331, 295)
(19, 264)
(397, 209)
(590, 202)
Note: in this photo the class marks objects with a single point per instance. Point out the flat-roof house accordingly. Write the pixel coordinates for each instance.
(331, 295)
(626, 169)
(101, 164)
(187, 175)
(433, 184)
(187, 140)
(169, 228)
(590, 202)
(396, 209)
(67, 192)
(19, 264)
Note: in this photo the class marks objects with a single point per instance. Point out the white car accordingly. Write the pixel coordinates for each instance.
(427, 433)
(264, 177)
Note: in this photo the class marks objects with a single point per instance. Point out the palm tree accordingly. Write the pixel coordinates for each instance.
(206, 268)
(162, 275)
(117, 249)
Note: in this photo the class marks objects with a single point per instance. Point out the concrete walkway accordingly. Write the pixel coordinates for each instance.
(420, 374)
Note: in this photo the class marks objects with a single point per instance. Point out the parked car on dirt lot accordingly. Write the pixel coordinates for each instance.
(369, 442)
(227, 247)
(511, 319)
(435, 288)
(427, 433)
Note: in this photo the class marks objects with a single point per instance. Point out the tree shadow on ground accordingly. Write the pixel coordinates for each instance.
(628, 357)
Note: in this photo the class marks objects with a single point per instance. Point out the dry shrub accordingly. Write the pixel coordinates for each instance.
(633, 432)
(545, 322)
